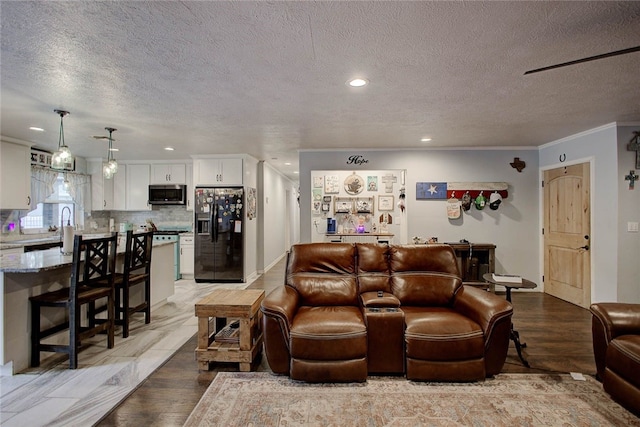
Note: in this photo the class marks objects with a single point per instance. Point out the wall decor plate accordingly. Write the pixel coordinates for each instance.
(354, 184)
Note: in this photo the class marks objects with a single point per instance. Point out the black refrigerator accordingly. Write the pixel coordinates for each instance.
(219, 234)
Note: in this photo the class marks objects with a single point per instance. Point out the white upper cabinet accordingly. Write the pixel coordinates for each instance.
(101, 188)
(137, 187)
(221, 171)
(120, 189)
(171, 173)
(15, 176)
(190, 189)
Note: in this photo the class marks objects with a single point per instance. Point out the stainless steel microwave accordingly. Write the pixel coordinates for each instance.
(164, 194)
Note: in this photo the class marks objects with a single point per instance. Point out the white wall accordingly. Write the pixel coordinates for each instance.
(513, 228)
(250, 179)
(628, 211)
(278, 215)
(600, 146)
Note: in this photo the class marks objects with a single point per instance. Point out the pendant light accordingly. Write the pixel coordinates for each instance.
(111, 168)
(62, 159)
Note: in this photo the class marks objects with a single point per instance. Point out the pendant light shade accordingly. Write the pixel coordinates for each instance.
(62, 159)
(111, 168)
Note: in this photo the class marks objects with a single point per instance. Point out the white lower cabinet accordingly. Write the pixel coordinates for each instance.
(186, 256)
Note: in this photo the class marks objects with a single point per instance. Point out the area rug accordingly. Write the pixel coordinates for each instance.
(260, 399)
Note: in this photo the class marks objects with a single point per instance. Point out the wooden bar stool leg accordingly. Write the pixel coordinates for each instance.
(35, 334)
(147, 297)
(125, 311)
(74, 341)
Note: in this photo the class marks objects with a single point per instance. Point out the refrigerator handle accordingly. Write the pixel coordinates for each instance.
(215, 225)
(212, 222)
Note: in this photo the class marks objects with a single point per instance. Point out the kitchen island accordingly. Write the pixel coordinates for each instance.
(33, 273)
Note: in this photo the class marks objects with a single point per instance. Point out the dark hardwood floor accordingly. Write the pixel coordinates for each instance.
(557, 335)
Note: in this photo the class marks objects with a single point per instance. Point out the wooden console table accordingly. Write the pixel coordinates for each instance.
(223, 304)
(474, 260)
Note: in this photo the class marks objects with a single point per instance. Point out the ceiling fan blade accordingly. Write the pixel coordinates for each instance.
(590, 58)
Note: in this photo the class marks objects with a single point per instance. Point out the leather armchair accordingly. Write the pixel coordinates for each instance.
(616, 347)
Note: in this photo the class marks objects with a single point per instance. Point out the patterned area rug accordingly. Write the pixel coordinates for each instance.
(262, 399)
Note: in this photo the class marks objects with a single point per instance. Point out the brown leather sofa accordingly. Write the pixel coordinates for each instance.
(616, 347)
(348, 310)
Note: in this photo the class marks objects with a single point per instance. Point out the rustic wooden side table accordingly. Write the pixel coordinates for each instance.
(223, 304)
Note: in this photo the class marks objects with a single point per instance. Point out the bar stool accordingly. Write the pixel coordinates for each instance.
(136, 271)
(94, 262)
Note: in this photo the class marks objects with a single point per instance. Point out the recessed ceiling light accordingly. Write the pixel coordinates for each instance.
(425, 140)
(114, 149)
(36, 129)
(287, 163)
(168, 148)
(296, 172)
(358, 82)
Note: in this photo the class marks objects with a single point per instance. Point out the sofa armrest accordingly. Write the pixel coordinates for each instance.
(379, 299)
(281, 303)
(482, 307)
(493, 314)
(611, 320)
(278, 309)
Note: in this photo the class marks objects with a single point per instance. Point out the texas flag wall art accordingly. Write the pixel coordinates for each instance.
(431, 190)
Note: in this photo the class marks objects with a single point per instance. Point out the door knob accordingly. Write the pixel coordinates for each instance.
(585, 247)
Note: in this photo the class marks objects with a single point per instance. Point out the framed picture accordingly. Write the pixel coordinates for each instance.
(343, 205)
(372, 183)
(364, 205)
(385, 203)
(331, 184)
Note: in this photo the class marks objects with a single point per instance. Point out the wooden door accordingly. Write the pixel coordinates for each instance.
(567, 228)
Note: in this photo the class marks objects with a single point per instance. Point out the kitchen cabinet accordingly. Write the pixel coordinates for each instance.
(137, 187)
(218, 171)
(101, 188)
(15, 176)
(120, 189)
(172, 173)
(186, 256)
(190, 189)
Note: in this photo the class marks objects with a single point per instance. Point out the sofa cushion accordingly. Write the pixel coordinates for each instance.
(373, 267)
(439, 333)
(425, 289)
(328, 333)
(323, 274)
(324, 289)
(623, 358)
(424, 275)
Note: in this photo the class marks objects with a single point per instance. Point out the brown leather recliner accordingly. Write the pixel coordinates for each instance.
(347, 310)
(616, 347)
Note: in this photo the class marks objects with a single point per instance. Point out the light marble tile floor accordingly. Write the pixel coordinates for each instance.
(53, 395)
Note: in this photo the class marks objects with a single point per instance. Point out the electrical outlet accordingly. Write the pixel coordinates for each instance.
(632, 227)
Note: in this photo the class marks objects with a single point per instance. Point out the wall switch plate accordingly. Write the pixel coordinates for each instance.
(632, 227)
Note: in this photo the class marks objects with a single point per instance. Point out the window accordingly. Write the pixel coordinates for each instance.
(49, 213)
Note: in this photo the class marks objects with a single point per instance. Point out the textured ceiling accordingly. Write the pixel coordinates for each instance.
(268, 78)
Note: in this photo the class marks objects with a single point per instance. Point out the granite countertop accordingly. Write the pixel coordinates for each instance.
(49, 259)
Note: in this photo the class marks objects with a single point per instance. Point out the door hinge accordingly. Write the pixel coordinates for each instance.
(543, 278)
(542, 183)
(543, 231)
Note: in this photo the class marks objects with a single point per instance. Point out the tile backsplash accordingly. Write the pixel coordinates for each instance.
(166, 216)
